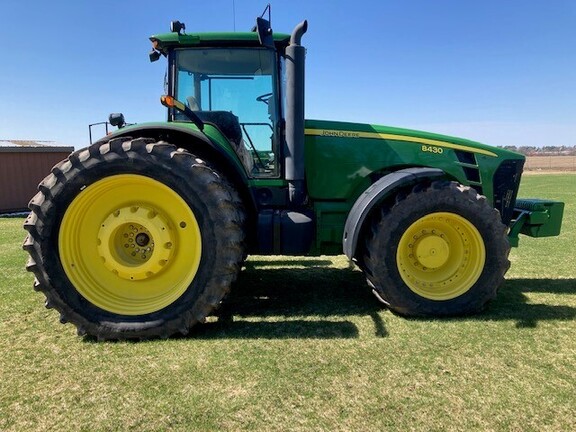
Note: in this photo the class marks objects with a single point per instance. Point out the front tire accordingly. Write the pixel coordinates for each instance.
(134, 239)
(441, 250)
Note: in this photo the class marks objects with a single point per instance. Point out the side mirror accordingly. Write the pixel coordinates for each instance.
(117, 119)
(264, 30)
(154, 56)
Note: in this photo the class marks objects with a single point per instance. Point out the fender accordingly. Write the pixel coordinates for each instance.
(183, 137)
(374, 195)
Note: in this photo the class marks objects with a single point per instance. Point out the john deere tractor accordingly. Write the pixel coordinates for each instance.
(143, 233)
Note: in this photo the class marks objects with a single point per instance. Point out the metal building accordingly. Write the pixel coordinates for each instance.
(23, 164)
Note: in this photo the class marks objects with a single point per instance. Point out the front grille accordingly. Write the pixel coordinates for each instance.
(506, 181)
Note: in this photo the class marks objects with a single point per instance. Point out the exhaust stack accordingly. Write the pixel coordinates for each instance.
(294, 148)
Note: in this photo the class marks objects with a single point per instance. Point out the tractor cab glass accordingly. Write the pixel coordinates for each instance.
(236, 90)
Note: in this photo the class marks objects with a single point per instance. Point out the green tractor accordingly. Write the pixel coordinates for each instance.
(143, 233)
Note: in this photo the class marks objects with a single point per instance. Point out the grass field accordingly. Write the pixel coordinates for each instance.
(307, 347)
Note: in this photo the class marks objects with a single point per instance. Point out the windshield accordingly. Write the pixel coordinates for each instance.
(235, 89)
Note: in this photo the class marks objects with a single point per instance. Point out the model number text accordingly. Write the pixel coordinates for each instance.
(432, 149)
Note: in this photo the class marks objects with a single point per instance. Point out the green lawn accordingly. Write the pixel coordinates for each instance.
(305, 346)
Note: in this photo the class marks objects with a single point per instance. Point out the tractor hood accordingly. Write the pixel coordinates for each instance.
(407, 137)
(343, 159)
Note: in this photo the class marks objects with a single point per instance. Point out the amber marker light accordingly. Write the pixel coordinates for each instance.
(167, 101)
(170, 102)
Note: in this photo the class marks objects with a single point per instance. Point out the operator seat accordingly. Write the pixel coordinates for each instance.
(192, 103)
(226, 121)
(229, 125)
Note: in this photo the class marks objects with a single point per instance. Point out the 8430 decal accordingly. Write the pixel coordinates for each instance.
(432, 149)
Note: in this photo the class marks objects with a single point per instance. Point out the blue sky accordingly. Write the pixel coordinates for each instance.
(497, 71)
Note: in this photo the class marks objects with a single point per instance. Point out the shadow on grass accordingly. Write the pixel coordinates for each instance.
(316, 291)
(294, 329)
(252, 264)
(512, 303)
(319, 292)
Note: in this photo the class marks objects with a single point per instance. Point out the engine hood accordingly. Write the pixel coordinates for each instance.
(351, 131)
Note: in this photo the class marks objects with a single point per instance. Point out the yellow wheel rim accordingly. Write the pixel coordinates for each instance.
(129, 244)
(441, 256)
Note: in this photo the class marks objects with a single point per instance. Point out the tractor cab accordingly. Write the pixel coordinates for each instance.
(233, 81)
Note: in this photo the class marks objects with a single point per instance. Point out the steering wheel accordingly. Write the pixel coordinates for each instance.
(265, 98)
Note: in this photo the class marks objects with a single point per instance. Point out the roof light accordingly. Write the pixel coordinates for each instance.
(177, 26)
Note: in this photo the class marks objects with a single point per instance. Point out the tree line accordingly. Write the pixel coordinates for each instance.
(543, 151)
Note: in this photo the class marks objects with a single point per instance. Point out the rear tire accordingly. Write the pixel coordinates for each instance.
(441, 250)
(134, 239)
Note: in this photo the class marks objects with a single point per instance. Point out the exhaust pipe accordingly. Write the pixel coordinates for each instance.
(294, 147)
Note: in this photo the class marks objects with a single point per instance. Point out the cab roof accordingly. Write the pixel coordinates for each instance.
(164, 42)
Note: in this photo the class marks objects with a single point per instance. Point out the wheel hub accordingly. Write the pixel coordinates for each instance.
(135, 242)
(142, 239)
(432, 251)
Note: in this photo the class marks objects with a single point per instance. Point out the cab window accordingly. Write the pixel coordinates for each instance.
(235, 89)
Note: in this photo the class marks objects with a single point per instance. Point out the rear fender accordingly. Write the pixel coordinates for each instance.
(189, 139)
(382, 189)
